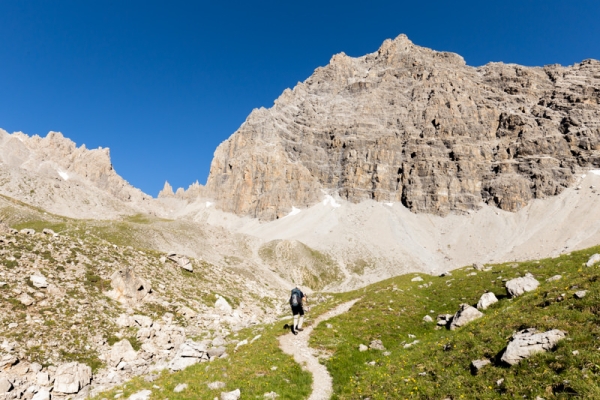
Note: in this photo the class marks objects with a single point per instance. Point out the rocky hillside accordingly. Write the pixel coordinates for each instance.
(82, 311)
(413, 125)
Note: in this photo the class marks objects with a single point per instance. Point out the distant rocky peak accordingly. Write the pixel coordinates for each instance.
(58, 156)
(194, 191)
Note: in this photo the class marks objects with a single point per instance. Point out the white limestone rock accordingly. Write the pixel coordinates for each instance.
(234, 395)
(5, 385)
(593, 260)
(518, 286)
(464, 315)
(528, 342)
(26, 299)
(72, 377)
(122, 351)
(477, 365)
(39, 281)
(142, 395)
(42, 394)
(486, 300)
(222, 305)
(180, 388)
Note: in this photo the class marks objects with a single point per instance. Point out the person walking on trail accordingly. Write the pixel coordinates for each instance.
(297, 302)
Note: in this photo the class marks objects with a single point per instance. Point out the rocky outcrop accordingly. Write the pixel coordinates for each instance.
(413, 125)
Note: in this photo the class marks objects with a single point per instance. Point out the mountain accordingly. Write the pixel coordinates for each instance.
(417, 126)
(55, 174)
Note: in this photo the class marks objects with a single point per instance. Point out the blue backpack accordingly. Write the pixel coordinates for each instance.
(295, 298)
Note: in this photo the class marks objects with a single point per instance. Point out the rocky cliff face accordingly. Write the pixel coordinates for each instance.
(412, 125)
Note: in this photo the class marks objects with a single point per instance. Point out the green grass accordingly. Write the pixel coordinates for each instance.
(250, 369)
(438, 366)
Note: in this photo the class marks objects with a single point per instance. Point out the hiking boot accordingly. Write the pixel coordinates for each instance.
(299, 329)
(294, 331)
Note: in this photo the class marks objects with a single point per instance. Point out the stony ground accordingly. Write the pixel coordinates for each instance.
(62, 304)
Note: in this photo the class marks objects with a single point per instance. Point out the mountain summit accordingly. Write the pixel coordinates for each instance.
(413, 125)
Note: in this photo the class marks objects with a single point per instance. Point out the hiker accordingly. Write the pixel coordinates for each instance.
(297, 300)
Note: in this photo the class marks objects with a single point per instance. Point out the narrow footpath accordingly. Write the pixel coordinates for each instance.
(297, 346)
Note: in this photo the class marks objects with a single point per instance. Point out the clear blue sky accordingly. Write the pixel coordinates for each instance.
(162, 83)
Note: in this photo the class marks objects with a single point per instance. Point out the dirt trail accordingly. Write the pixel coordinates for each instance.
(297, 346)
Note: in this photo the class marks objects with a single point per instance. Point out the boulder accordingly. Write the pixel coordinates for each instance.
(143, 395)
(377, 345)
(39, 281)
(180, 388)
(143, 321)
(25, 299)
(580, 294)
(216, 385)
(235, 395)
(42, 394)
(215, 352)
(27, 231)
(189, 353)
(527, 342)
(593, 260)
(486, 300)
(187, 312)
(476, 365)
(518, 286)
(42, 379)
(362, 347)
(222, 305)
(122, 351)
(427, 318)
(464, 315)
(5, 385)
(478, 266)
(554, 278)
(181, 261)
(72, 377)
(417, 279)
(7, 361)
(444, 319)
(127, 287)
(49, 232)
